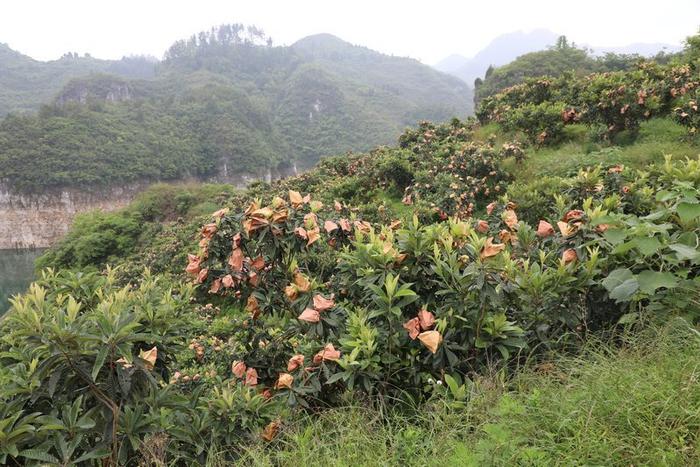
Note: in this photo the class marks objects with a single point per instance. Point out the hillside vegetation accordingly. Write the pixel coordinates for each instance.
(224, 103)
(478, 294)
(26, 83)
(560, 59)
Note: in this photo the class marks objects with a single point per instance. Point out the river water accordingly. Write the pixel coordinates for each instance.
(16, 273)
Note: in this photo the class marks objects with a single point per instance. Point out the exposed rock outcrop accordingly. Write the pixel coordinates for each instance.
(38, 220)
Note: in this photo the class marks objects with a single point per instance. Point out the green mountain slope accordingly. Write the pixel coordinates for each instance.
(26, 83)
(221, 105)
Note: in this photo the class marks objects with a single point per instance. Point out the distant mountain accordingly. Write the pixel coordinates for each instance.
(222, 104)
(503, 49)
(26, 83)
(507, 47)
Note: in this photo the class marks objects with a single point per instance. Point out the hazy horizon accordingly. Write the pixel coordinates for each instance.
(410, 29)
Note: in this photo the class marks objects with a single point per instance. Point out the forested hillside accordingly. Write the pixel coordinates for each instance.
(221, 103)
(26, 83)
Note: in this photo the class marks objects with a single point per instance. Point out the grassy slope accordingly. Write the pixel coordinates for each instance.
(657, 138)
(638, 405)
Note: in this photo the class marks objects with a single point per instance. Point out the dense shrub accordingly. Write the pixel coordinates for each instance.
(617, 101)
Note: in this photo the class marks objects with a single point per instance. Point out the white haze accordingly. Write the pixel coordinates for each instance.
(426, 30)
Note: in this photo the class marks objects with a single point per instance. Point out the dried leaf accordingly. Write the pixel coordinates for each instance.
(238, 369)
(511, 219)
(251, 377)
(295, 198)
(327, 354)
(193, 265)
(310, 316)
(322, 303)
(295, 362)
(330, 226)
(253, 278)
(302, 282)
(426, 318)
(310, 221)
(236, 260)
(209, 230)
(227, 281)
(236, 240)
(413, 327)
(258, 263)
(291, 291)
(202, 276)
(431, 340)
(150, 357)
(301, 233)
(490, 207)
(566, 229)
(253, 307)
(545, 229)
(482, 226)
(270, 431)
(337, 206)
(314, 235)
(490, 249)
(220, 213)
(506, 236)
(284, 380)
(215, 286)
(569, 256)
(573, 215)
(363, 226)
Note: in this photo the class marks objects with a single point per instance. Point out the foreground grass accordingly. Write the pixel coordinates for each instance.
(636, 405)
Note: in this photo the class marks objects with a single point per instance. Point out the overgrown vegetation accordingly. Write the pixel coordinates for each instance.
(562, 59)
(632, 404)
(432, 281)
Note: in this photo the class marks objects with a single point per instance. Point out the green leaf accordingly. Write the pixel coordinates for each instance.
(38, 455)
(628, 318)
(624, 247)
(99, 453)
(648, 245)
(615, 236)
(616, 277)
(685, 252)
(649, 281)
(99, 361)
(621, 284)
(688, 211)
(664, 195)
(624, 291)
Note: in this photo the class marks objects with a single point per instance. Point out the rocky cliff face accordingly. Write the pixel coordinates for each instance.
(38, 220)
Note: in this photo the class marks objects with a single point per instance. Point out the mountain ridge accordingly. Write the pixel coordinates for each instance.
(224, 101)
(507, 47)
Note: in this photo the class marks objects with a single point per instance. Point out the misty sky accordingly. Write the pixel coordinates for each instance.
(427, 30)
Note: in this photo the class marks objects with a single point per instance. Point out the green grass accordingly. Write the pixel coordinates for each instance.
(657, 137)
(636, 404)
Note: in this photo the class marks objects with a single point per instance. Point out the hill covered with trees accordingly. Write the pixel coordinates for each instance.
(26, 83)
(224, 101)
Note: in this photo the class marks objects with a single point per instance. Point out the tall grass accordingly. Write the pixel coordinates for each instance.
(632, 402)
